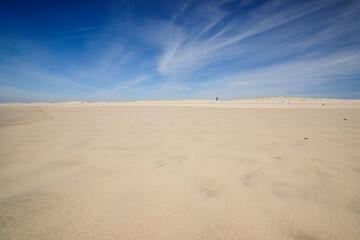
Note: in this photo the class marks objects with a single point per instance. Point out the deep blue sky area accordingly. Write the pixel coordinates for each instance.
(128, 50)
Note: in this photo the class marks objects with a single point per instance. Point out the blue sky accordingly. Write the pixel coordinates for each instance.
(128, 50)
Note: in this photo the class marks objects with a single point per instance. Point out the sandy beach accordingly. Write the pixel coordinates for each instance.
(265, 168)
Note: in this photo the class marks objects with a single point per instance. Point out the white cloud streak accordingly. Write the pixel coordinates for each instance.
(205, 49)
(293, 76)
(118, 89)
(186, 49)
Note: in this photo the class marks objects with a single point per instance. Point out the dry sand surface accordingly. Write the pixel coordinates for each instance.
(160, 171)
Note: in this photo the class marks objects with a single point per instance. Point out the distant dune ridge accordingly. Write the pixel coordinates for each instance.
(259, 168)
(270, 102)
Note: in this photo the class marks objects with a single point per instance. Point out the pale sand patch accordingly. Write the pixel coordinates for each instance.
(16, 116)
(180, 173)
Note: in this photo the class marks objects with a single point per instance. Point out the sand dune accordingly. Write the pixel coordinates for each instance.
(16, 116)
(159, 172)
(267, 102)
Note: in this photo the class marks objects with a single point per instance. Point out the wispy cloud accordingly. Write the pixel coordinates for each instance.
(84, 29)
(115, 91)
(205, 39)
(78, 30)
(192, 48)
(12, 94)
(291, 77)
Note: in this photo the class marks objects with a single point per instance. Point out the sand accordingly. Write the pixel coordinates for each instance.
(248, 169)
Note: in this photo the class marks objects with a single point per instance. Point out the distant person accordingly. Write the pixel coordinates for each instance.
(217, 98)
